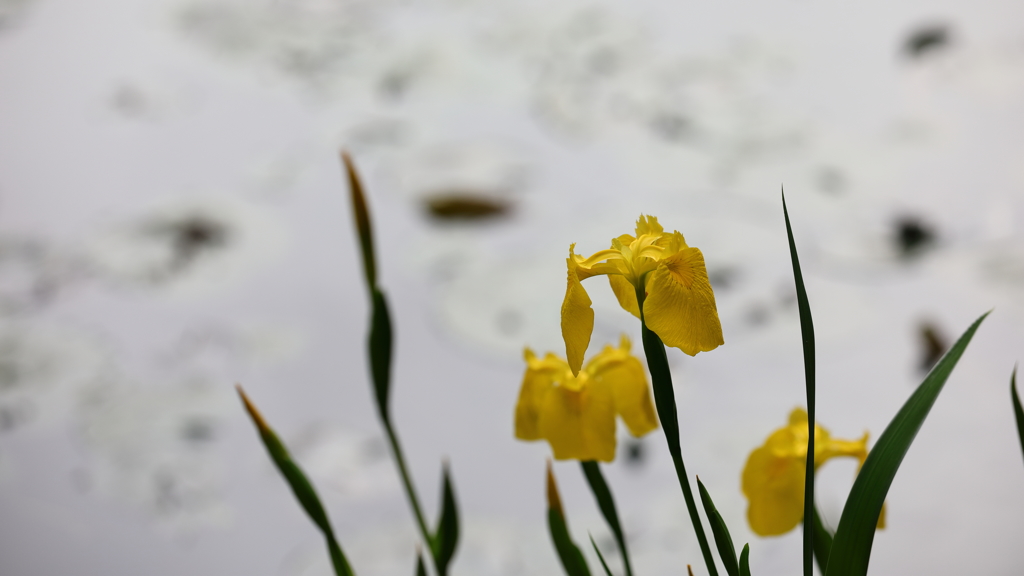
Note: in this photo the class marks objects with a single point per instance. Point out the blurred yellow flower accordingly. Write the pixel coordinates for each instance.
(773, 479)
(679, 305)
(576, 413)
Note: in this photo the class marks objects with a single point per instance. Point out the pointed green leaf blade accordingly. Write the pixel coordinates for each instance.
(1018, 412)
(822, 542)
(299, 484)
(446, 538)
(807, 334)
(380, 352)
(745, 560)
(605, 501)
(570, 555)
(362, 216)
(721, 532)
(851, 546)
(600, 556)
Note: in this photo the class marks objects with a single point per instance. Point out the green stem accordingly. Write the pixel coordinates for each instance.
(396, 449)
(606, 503)
(665, 401)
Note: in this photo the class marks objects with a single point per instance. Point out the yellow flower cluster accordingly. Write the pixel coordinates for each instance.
(773, 479)
(659, 268)
(576, 413)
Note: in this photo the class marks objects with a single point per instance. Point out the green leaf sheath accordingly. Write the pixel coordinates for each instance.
(446, 538)
(380, 352)
(745, 560)
(721, 532)
(807, 334)
(600, 556)
(1018, 412)
(822, 542)
(665, 403)
(606, 503)
(851, 546)
(299, 484)
(362, 217)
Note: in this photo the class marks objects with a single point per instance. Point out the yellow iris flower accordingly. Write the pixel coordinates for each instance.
(679, 305)
(773, 479)
(576, 413)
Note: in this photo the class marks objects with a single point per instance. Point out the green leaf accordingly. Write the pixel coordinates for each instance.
(718, 528)
(665, 404)
(446, 538)
(822, 542)
(380, 352)
(807, 334)
(362, 217)
(600, 556)
(299, 484)
(606, 503)
(1018, 412)
(570, 555)
(745, 560)
(851, 547)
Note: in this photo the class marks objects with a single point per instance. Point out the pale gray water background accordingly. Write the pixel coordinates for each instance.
(173, 220)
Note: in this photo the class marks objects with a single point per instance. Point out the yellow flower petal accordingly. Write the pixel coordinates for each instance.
(774, 487)
(577, 316)
(625, 292)
(773, 479)
(680, 305)
(579, 424)
(537, 383)
(622, 375)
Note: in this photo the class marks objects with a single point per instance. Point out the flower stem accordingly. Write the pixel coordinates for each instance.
(414, 502)
(665, 401)
(606, 503)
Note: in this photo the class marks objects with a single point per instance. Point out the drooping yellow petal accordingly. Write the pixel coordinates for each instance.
(774, 487)
(622, 375)
(680, 306)
(579, 423)
(625, 292)
(537, 383)
(577, 316)
(773, 479)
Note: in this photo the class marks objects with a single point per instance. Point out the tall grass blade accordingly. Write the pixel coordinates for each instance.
(721, 532)
(851, 547)
(807, 334)
(606, 503)
(299, 484)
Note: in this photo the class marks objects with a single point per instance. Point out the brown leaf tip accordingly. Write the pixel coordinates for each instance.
(257, 418)
(554, 500)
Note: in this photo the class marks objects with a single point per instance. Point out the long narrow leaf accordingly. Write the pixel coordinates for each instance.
(299, 484)
(363, 226)
(822, 542)
(1018, 412)
(380, 352)
(745, 560)
(606, 503)
(570, 555)
(721, 532)
(665, 404)
(446, 538)
(607, 571)
(807, 334)
(851, 547)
